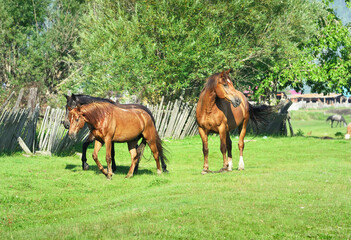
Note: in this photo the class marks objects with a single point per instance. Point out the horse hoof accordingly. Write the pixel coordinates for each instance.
(109, 177)
(204, 172)
(129, 176)
(159, 171)
(241, 169)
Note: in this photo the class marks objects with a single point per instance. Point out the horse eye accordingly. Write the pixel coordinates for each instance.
(77, 119)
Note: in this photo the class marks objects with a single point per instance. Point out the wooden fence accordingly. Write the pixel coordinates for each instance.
(53, 136)
(174, 119)
(18, 123)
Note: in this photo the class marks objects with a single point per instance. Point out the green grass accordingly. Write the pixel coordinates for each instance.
(292, 188)
(313, 123)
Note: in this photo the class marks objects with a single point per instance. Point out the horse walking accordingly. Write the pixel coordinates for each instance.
(338, 118)
(80, 99)
(220, 109)
(109, 123)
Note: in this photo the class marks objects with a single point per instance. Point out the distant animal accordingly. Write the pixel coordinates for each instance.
(338, 118)
(80, 99)
(111, 123)
(348, 134)
(220, 109)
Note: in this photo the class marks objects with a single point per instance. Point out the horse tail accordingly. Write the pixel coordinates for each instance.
(260, 116)
(161, 152)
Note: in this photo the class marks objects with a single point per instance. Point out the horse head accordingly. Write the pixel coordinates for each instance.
(76, 121)
(71, 103)
(225, 89)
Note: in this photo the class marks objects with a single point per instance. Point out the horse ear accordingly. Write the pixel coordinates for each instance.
(221, 75)
(69, 108)
(78, 107)
(67, 97)
(73, 97)
(229, 71)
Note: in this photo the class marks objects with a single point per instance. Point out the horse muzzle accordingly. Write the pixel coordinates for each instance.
(235, 101)
(72, 136)
(66, 124)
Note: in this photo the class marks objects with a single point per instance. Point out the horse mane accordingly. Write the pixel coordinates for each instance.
(211, 81)
(96, 111)
(82, 99)
(86, 99)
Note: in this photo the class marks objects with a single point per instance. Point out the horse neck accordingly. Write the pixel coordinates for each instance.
(208, 101)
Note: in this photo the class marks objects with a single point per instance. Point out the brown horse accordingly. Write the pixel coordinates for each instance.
(220, 109)
(110, 123)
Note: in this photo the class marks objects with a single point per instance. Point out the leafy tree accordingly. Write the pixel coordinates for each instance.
(35, 41)
(155, 48)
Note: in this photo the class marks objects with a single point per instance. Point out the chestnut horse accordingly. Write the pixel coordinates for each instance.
(220, 109)
(109, 123)
(80, 99)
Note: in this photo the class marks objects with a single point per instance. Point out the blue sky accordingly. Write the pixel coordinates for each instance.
(342, 11)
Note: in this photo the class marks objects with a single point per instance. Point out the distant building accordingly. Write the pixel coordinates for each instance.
(315, 97)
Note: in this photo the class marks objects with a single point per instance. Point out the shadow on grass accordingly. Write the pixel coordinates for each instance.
(121, 170)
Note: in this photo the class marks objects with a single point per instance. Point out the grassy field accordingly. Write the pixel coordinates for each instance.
(292, 188)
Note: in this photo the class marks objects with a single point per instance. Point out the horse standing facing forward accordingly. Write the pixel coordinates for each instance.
(109, 123)
(220, 109)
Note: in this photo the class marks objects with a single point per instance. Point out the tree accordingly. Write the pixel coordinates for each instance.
(155, 48)
(35, 41)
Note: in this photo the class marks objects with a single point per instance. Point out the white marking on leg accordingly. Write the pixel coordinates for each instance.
(159, 171)
(241, 163)
(230, 164)
(347, 136)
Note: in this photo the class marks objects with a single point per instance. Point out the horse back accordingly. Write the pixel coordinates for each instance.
(129, 124)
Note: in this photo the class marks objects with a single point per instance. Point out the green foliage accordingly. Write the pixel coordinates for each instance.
(299, 133)
(169, 47)
(36, 39)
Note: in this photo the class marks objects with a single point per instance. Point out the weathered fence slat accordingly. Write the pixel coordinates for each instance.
(175, 119)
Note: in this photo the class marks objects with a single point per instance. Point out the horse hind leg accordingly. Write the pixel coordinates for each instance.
(140, 152)
(154, 150)
(229, 151)
(241, 145)
(132, 146)
(114, 166)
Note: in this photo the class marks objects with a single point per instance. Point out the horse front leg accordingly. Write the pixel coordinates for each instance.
(89, 140)
(109, 146)
(204, 138)
(223, 147)
(97, 148)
